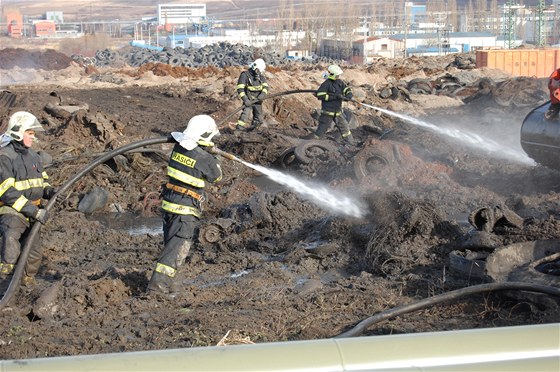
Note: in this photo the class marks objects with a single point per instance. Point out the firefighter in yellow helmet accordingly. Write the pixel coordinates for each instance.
(331, 93)
(191, 165)
(23, 183)
(252, 86)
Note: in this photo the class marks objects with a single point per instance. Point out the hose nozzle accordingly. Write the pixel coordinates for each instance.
(226, 155)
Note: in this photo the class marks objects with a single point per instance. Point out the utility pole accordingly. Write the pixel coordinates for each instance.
(539, 36)
(405, 27)
(509, 28)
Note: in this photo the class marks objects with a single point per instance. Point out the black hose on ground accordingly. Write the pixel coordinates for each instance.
(20, 267)
(449, 296)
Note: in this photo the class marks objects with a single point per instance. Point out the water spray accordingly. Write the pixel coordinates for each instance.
(466, 137)
(318, 194)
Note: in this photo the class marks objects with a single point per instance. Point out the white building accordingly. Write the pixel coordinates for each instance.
(181, 14)
(56, 17)
(367, 50)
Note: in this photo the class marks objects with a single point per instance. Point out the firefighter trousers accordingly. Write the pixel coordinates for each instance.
(15, 229)
(325, 121)
(257, 111)
(178, 234)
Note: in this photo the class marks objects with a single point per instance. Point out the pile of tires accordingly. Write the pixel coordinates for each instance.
(218, 55)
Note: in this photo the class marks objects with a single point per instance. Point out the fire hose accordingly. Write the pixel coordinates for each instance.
(24, 254)
(267, 97)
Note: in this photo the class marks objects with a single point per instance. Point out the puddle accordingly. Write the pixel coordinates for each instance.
(131, 223)
(202, 281)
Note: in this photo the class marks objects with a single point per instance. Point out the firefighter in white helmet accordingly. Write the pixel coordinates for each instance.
(191, 165)
(23, 183)
(252, 87)
(331, 92)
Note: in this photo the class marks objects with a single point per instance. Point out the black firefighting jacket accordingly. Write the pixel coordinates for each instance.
(188, 171)
(330, 93)
(251, 83)
(23, 179)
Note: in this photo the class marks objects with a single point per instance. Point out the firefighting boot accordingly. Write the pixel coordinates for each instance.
(349, 139)
(241, 127)
(6, 270)
(28, 281)
(159, 284)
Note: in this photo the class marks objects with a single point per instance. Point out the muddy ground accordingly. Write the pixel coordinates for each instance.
(271, 265)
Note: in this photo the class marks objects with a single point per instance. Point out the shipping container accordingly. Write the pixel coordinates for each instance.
(538, 63)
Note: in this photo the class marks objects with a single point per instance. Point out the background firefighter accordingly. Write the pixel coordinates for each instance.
(23, 184)
(252, 86)
(331, 93)
(189, 168)
(554, 88)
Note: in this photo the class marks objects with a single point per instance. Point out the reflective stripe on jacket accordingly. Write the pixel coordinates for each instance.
(250, 84)
(189, 170)
(328, 93)
(22, 178)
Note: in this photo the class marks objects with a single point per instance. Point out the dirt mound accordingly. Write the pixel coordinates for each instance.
(40, 60)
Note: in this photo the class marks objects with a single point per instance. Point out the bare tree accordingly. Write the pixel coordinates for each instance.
(470, 17)
(496, 19)
(453, 19)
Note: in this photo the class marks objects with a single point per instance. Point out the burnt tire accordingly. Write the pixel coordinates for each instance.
(306, 151)
(209, 234)
(287, 158)
(545, 271)
(369, 162)
(470, 265)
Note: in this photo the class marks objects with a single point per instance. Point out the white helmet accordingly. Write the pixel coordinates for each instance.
(334, 70)
(200, 131)
(20, 122)
(258, 65)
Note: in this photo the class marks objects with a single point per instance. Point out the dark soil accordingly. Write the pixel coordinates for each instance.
(282, 268)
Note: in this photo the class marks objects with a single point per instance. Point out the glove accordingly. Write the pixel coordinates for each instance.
(261, 96)
(49, 192)
(349, 96)
(42, 216)
(246, 101)
(213, 150)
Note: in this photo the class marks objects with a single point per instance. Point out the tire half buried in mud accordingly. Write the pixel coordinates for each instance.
(545, 271)
(469, 264)
(504, 261)
(369, 162)
(306, 151)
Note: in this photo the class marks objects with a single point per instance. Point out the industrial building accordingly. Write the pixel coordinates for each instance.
(170, 15)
